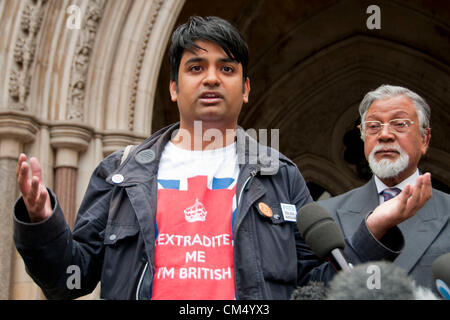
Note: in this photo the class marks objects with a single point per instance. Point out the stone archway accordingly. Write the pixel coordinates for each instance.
(72, 95)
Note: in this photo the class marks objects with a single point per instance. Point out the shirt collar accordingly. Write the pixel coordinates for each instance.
(410, 180)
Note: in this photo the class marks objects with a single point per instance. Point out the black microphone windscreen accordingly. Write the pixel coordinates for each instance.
(378, 280)
(318, 228)
(312, 291)
(441, 268)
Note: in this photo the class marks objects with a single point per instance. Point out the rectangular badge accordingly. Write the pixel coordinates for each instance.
(289, 212)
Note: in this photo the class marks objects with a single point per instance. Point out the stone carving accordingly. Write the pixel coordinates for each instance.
(139, 59)
(23, 53)
(80, 64)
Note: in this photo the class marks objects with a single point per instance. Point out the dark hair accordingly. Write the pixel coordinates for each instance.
(212, 29)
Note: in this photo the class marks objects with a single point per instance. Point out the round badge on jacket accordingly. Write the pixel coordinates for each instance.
(117, 178)
(145, 156)
(265, 210)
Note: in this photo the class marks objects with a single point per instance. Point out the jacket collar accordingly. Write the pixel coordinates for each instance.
(143, 161)
(420, 231)
(361, 201)
(138, 169)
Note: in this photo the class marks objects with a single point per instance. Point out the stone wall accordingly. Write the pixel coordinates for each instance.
(77, 80)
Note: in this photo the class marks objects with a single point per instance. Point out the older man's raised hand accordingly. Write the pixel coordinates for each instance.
(398, 209)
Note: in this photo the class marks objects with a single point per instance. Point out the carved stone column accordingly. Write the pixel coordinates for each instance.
(15, 130)
(69, 139)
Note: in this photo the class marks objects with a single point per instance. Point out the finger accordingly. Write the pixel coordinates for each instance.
(36, 168)
(418, 188)
(23, 180)
(31, 197)
(427, 179)
(414, 200)
(427, 188)
(40, 203)
(22, 158)
(405, 194)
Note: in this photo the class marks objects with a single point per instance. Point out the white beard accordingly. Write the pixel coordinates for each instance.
(386, 168)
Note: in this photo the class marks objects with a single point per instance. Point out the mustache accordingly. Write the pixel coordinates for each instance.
(384, 147)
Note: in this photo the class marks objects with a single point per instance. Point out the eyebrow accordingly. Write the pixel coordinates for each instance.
(193, 60)
(397, 114)
(200, 59)
(228, 60)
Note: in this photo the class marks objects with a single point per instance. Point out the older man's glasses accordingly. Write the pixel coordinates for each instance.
(394, 126)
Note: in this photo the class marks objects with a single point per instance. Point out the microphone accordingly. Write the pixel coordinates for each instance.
(314, 290)
(376, 280)
(322, 235)
(441, 274)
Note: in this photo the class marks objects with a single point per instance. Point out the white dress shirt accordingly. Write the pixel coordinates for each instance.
(410, 180)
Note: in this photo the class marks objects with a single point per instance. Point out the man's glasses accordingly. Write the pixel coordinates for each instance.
(394, 126)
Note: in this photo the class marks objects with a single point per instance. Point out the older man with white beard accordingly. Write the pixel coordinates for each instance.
(395, 128)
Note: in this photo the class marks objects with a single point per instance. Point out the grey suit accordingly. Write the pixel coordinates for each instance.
(427, 233)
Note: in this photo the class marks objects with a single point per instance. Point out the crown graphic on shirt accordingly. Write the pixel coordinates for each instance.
(196, 212)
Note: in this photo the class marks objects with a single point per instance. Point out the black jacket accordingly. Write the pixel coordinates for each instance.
(113, 239)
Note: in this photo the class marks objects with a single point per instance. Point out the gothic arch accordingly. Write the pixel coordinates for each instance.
(72, 96)
(325, 173)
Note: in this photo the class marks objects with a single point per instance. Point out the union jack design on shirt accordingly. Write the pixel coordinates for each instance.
(194, 245)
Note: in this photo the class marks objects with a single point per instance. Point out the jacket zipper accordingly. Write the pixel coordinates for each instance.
(140, 280)
(245, 187)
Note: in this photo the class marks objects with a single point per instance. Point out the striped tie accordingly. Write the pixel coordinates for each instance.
(390, 193)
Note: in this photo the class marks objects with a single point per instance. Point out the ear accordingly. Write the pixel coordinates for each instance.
(246, 90)
(425, 141)
(173, 89)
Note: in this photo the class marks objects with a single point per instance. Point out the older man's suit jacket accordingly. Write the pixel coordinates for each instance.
(427, 233)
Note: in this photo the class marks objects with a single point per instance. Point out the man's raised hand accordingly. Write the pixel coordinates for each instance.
(402, 207)
(34, 192)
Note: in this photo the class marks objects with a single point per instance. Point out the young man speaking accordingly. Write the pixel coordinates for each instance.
(194, 212)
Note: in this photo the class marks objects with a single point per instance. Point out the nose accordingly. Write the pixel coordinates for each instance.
(385, 134)
(211, 78)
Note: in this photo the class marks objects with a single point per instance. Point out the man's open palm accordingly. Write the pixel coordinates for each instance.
(34, 192)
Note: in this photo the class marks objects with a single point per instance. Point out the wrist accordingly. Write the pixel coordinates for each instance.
(378, 226)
